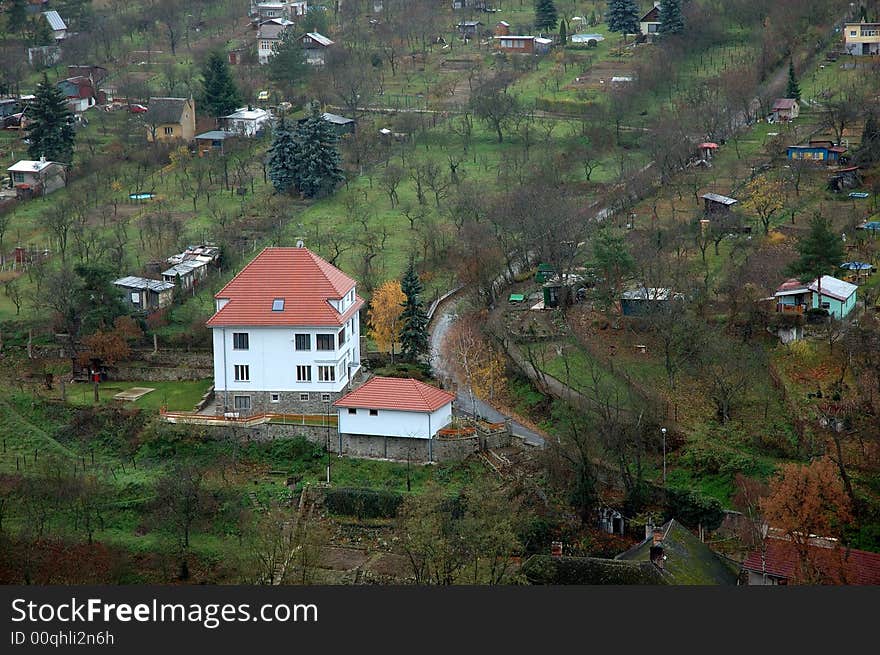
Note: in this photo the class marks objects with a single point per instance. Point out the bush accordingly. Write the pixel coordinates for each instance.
(692, 508)
(363, 503)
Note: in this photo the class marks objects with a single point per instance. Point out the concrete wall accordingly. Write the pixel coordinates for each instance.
(393, 423)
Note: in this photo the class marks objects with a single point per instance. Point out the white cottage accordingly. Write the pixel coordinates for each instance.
(395, 407)
(247, 121)
(286, 334)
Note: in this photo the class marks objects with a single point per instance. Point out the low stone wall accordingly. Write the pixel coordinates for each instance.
(158, 372)
(393, 448)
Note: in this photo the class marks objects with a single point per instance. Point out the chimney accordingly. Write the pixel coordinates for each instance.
(649, 530)
(658, 536)
(42, 159)
(658, 557)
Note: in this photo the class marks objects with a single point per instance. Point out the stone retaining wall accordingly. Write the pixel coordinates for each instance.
(393, 448)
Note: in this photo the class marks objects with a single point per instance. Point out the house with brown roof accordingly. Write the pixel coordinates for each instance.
(286, 335)
(170, 119)
(785, 109)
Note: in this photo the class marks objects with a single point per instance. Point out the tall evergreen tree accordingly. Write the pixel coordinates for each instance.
(623, 16)
(671, 18)
(793, 90)
(869, 149)
(546, 17)
(50, 132)
(414, 335)
(821, 251)
(319, 169)
(563, 32)
(284, 155)
(220, 94)
(287, 66)
(16, 16)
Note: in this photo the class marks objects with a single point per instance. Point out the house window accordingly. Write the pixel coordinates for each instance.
(169, 131)
(826, 305)
(303, 373)
(326, 373)
(352, 410)
(374, 412)
(278, 305)
(239, 340)
(304, 397)
(242, 373)
(325, 397)
(303, 341)
(852, 32)
(135, 298)
(325, 342)
(342, 336)
(241, 402)
(18, 178)
(274, 397)
(264, 45)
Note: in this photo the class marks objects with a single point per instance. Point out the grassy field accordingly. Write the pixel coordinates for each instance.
(173, 396)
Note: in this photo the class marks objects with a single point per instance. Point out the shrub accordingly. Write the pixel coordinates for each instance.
(363, 503)
(693, 508)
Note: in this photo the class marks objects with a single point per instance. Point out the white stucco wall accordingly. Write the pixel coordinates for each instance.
(394, 423)
(273, 358)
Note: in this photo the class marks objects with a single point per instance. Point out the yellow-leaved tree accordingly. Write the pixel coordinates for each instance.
(766, 199)
(384, 316)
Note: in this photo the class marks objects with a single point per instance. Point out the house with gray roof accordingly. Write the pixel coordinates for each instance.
(144, 294)
(56, 24)
(170, 119)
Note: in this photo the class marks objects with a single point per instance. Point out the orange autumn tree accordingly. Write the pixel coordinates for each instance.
(808, 500)
(111, 346)
(478, 363)
(384, 316)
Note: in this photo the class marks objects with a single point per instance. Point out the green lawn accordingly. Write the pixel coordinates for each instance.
(174, 396)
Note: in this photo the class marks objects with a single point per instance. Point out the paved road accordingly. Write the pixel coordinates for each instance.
(441, 323)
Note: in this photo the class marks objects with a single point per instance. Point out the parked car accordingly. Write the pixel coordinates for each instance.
(263, 96)
(137, 109)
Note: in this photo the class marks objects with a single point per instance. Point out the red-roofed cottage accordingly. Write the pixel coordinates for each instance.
(393, 418)
(395, 407)
(286, 334)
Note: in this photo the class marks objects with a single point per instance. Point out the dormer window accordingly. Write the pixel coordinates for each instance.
(278, 305)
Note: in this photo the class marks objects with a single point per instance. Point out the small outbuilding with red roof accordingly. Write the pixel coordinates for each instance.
(395, 407)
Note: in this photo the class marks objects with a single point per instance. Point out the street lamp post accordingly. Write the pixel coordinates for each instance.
(663, 432)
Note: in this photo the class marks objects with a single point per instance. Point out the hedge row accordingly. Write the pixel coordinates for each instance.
(363, 503)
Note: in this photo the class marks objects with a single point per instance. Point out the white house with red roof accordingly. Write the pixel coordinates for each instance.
(286, 334)
(395, 407)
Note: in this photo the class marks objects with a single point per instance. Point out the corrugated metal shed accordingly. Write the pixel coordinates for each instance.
(135, 282)
(55, 21)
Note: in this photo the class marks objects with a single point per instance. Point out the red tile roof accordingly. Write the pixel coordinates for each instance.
(305, 282)
(402, 394)
(836, 565)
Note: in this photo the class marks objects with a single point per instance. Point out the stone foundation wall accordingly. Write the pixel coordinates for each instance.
(288, 402)
(393, 448)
